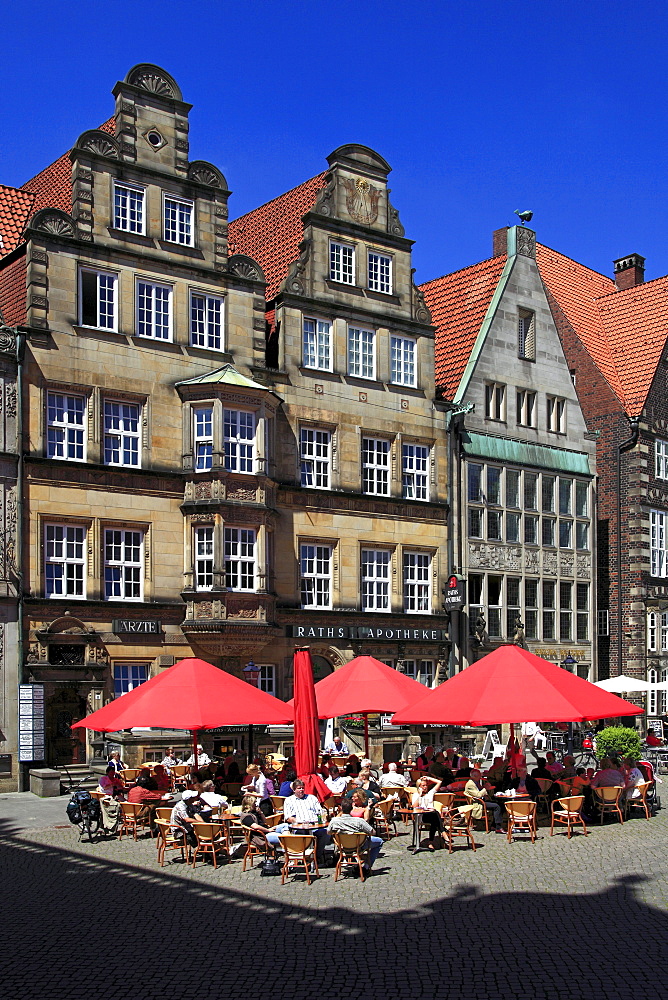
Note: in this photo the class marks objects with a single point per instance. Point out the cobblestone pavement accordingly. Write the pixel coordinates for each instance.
(581, 919)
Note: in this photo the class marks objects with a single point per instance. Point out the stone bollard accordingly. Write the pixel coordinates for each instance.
(45, 782)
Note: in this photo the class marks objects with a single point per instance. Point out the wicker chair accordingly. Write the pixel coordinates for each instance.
(543, 797)
(133, 819)
(641, 801)
(458, 822)
(351, 851)
(382, 815)
(521, 817)
(608, 797)
(254, 851)
(569, 812)
(211, 839)
(167, 841)
(298, 852)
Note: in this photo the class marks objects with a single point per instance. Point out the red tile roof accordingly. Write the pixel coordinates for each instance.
(13, 292)
(458, 303)
(271, 234)
(16, 207)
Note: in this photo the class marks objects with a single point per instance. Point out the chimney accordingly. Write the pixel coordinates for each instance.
(629, 271)
(500, 241)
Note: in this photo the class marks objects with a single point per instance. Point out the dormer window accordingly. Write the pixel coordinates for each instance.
(179, 221)
(129, 208)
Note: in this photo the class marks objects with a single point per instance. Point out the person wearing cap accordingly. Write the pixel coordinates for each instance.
(184, 814)
(337, 746)
(202, 758)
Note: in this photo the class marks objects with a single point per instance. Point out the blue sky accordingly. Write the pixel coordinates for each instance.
(480, 107)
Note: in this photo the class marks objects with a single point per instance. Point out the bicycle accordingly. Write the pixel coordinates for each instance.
(84, 811)
(586, 758)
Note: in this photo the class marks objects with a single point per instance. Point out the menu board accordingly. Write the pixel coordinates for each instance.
(31, 722)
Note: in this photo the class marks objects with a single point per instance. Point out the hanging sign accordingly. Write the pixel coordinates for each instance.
(31, 722)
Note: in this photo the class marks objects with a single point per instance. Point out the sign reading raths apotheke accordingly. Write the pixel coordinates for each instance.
(380, 633)
(127, 626)
(454, 592)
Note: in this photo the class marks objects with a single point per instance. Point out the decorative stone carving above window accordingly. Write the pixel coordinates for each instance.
(526, 242)
(206, 173)
(95, 141)
(245, 267)
(394, 225)
(155, 80)
(295, 279)
(55, 222)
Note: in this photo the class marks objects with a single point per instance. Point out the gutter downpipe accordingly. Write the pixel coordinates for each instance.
(621, 448)
(456, 418)
(22, 769)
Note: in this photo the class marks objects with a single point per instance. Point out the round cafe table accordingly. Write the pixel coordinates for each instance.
(417, 828)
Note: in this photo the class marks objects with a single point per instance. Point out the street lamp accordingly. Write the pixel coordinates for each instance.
(568, 663)
(252, 675)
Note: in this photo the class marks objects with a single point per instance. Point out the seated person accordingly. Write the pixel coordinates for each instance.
(336, 782)
(652, 740)
(451, 759)
(170, 758)
(361, 803)
(392, 778)
(252, 819)
(568, 769)
(608, 775)
(423, 799)
(324, 766)
(337, 746)
(202, 758)
(286, 785)
(353, 766)
(347, 823)
(633, 777)
(439, 769)
(210, 796)
(464, 768)
(541, 771)
(497, 774)
(302, 809)
(115, 761)
(423, 763)
(163, 782)
(146, 779)
(475, 790)
(150, 798)
(524, 784)
(369, 785)
(552, 764)
(184, 814)
(111, 784)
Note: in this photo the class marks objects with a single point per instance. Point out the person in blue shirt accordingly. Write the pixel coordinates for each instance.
(337, 746)
(286, 784)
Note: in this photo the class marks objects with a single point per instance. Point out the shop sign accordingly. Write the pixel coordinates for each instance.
(127, 626)
(224, 730)
(557, 655)
(454, 592)
(31, 722)
(380, 634)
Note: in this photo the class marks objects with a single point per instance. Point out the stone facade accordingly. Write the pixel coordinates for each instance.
(9, 557)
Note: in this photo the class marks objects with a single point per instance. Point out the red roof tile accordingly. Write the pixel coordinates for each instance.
(13, 292)
(458, 303)
(16, 207)
(271, 234)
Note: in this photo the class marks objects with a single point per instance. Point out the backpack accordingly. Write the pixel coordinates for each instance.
(82, 801)
(271, 866)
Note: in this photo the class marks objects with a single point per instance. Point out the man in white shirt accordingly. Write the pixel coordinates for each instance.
(202, 758)
(302, 809)
(336, 782)
(337, 746)
(393, 779)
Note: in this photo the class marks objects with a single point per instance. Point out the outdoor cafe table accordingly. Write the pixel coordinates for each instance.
(417, 828)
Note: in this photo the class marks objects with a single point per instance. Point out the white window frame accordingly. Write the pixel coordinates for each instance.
(133, 681)
(341, 263)
(207, 321)
(661, 459)
(123, 558)
(316, 343)
(315, 457)
(118, 427)
(203, 545)
(420, 670)
(103, 321)
(202, 417)
(65, 435)
(376, 466)
(526, 407)
(659, 542)
(68, 552)
(240, 448)
(147, 326)
(403, 360)
(361, 352)
(123, 213)
(416, 577)
(415, 471)
(267, 680)
(316, 575)
(376, 576)
(495, 401)
(556, 414)
(181, 238)
(240, 559)
(379, 272)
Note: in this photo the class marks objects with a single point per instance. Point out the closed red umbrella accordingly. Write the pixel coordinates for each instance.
(307, 733)
(194, 695)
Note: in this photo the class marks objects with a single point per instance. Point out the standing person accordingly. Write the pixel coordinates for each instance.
(346, 823)
(424, 799)
(258, 784)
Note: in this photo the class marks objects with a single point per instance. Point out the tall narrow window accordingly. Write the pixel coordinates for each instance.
(154, 310)
(661, 459)
(549, 609)
(547, 489)
(97, 299)
(66, 431)
(526, 335)
(128, 208)
(513, 609)
(65, 560)
(376, 466)
(361, 352)
(475, 483)
(239, 440)
(402, 361)
(565, 612)
(375, 580)
(417, 587)
(341, 263)
(556, 414)
(512, 488)
(239, 558)
(121, 433)
(581, 499)
(565, 534)
(179, 221)
(565, 495)
(493, 485)
(317, 344)
(582, 612)
(316, 576)
(204, 558)
(659, 542)
(495, 401)
(315, 457)
(267, 679)
(531, 606)
(415, 471)
(530, 491)
(379, 272)
(494, 605)
(206, 321)
(123, 556)
(526, 408)
(202, 438)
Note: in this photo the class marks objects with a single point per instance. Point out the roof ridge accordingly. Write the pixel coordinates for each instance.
(461, 270)
(278, 197)
(574, 261)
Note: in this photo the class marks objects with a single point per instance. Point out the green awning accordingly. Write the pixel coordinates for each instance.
(498, 449)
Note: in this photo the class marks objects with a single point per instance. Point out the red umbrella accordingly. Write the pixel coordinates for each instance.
(513, 685)
(193, 694)
(307, 733)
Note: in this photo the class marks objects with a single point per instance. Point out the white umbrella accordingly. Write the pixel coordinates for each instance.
(625, 684)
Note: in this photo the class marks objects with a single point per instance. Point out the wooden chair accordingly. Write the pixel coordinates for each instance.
(446, 799)
(133, 819)
(521, 817)
(415, 773)
(565, 786)
(458, 822)
(405, 810)
(298, 852)
(167, 841)
(392, 791)
(485, 815)
(211, 839)
(351, 851)
(179, 773)
(641, 801)
(543, 797)
(569, 812)
(163, 813)
(254, 850)
(129, 774)
(608, 797)
(273, 820)
(98, 795)
(382, 815)
(277, 803)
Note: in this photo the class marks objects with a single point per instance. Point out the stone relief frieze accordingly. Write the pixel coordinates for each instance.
(584, 567)
(532, 561)
(566, 562)
(550, 563)
(488, 556)
(361, 200)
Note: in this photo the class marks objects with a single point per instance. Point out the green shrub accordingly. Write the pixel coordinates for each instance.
(619, 740)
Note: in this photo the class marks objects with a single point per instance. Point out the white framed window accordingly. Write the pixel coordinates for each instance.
(206, 321)
(239, 558)
(154, 310)
(179, 221)
(582, 612)
(556, 414)
(65, 560)
(267, 679)
(375, 580)
(659, 542)
(402, 360)
(202, 438)
(316, 575)
(204, 557)
(526, 335)
(657, 632)
(565, 611)
(317, 344)
(379, 272)
(66, 426)
(417, 582)
(123, 564)
(97, 299)
(661, 459)
(361, 352)
(526, 408)
(128, 676)
(495, 401)
(122, 442)
(315, 448)
(239, 440)
(565, 534)
(582, 535)
(581, 498)
(415, 471)
(421, 671)
(342, 263)
(376, 466)
(129, 208)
